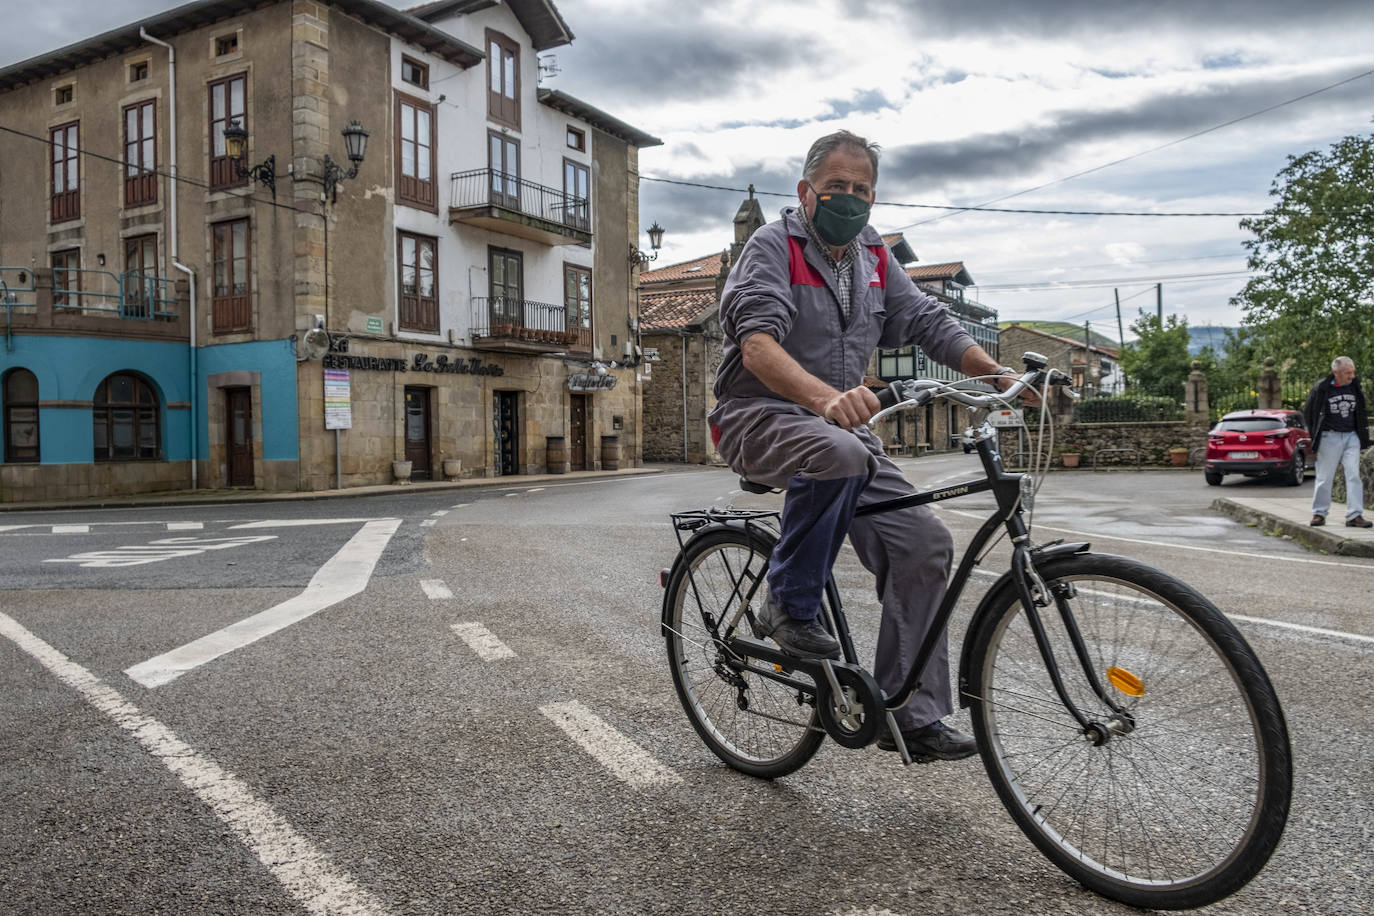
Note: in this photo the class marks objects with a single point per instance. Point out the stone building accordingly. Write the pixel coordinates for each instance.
(162, 296)
(1092, 364)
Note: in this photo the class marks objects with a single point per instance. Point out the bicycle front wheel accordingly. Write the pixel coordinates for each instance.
(757, 724)
(1184, 796)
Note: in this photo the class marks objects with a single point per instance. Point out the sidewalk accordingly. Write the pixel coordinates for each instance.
(1290, 516)
(215, 497)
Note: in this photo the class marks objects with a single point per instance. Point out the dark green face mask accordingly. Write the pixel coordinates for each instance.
(839, 217)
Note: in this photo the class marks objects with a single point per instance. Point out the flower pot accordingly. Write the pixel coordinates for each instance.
(1070, 459)
(1178, 457)
(453, 468)
(401, 471)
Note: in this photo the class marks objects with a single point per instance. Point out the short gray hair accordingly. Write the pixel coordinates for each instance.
(1340, 361)
(840, 139)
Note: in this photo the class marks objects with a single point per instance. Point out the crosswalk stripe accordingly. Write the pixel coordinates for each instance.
(71, 529)
(436, 589)
(185, 526)
(482, 641)
(625, 759)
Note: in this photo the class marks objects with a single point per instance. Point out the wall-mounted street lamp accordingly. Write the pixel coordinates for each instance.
(655, 242)
(355, 143)
(236, 145)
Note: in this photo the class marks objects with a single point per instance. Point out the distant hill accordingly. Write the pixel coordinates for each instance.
(1208, 335)
(1064, 329)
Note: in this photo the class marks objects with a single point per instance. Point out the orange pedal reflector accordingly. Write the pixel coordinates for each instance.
(1126, 682)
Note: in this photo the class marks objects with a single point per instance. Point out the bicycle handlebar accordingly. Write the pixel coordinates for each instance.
(905, 394)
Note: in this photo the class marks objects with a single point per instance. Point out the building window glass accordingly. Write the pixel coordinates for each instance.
(577, 139)
(504, 159)
(66, 281)
(63, 95)
(577, 303)
(415, 73)
(138, 72)
(897, 364)
(140, 154)
(576, 188)
(66, 172)
(140, 276)
(228, 102)
(419, 270)
(506, 270)
(415, 180)
(20, 393)
(503, 79)
(231, 302)
(127, 421)
(226, 44)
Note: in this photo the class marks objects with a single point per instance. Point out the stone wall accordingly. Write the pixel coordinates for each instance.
(664, 438)
(1151, 440)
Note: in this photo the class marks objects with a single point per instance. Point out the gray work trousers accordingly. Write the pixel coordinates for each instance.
(909, 551)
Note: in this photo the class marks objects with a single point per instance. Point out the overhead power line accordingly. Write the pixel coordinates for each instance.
(893, 203)
(1096, 282)
(1154, 149)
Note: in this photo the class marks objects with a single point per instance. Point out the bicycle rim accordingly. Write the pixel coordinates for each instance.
(1189, 802)
(752, 722)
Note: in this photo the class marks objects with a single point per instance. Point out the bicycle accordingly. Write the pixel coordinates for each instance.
(1126, 725)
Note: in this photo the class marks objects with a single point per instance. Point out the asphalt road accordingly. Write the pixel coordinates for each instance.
(459, 703)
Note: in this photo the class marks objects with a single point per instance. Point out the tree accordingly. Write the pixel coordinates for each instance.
(1157, 362)
(1314, 299)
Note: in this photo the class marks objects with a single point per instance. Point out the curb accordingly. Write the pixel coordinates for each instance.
(1312, 538)
(234, 497)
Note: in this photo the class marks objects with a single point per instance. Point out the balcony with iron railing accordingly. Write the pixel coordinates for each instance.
(99, 301)
(520, 325)
(504, 202)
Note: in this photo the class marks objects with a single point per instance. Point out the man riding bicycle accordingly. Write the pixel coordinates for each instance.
(810, 299)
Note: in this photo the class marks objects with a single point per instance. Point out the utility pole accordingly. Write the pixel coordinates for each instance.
(1159, 303)
(1087, 353)
(1120, 332)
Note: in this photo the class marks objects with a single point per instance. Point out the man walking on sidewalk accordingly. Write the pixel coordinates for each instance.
(1335, 414)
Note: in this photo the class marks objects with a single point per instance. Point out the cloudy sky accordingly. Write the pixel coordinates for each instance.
(973, 101)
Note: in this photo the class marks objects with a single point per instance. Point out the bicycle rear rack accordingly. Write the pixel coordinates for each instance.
(695, 519)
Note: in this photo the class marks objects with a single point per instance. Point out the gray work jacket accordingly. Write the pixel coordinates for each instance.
(783, 287)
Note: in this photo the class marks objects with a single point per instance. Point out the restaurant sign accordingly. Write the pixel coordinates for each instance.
(587, 381)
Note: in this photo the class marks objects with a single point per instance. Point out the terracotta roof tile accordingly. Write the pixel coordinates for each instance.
(703, 267)
(935, 271)
(673, 309)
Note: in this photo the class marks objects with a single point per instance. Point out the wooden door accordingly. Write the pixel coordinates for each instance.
(577, 433)
(238, 437)
(418, 433)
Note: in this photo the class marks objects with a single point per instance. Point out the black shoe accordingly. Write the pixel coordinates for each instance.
(936, 741)
(1359, 521)
(802, 638)
(1317, 521)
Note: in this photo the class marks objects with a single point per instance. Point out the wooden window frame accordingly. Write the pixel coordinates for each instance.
(232, 309)
(139, 71)
(581, 137)
(577, 218)
(140, 187)
(11, 452)
(504, 188)
(137, 305)
(64, 204)
(501, 108)
(416, 312)
(421, 68)
(66, 261)
(103, 408)
(223, 175)
(513, 315)
(412, 190)
(577, 314)
(68, 90)
(226, 44)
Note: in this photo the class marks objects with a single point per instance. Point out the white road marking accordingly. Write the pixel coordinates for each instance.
(428, 523)
(535, 490)
(1096, 535)
(625, 759)
(157, 551)
(343, 576)
(305, 522)
(185, 526)
(482, 641)
(71, 529)
(308, 875)
(15, 527)
(440, 514)
(436, 589)
(461, 506)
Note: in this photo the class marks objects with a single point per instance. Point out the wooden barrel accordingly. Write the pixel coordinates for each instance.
(610, 453)
(558, 455)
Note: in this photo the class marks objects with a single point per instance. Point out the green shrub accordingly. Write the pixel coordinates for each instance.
(1130, 408)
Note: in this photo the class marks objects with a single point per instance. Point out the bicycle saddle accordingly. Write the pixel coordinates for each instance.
(750, 486)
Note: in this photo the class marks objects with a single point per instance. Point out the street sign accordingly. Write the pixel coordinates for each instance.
(374, 325)
(1006, 417)
(338, 399)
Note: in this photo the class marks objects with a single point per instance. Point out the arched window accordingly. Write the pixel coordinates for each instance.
(126, 420)
(21, 415)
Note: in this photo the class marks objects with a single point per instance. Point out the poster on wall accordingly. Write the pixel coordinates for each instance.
(338, 400)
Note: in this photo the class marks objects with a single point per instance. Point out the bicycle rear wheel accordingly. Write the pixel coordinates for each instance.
(1188, 797)
(754, 723)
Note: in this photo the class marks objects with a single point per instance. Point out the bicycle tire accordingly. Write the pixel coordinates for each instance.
(753, 723)
(1182, 810)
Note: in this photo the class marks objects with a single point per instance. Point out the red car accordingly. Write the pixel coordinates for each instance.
(1256, 443)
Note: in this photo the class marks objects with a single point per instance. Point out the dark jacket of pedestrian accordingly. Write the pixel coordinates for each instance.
(1314, 411)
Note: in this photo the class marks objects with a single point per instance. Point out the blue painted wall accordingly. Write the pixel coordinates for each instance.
(70, 368)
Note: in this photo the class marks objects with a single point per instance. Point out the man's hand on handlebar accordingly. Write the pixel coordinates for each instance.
(851, 409)
(1029, 396)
